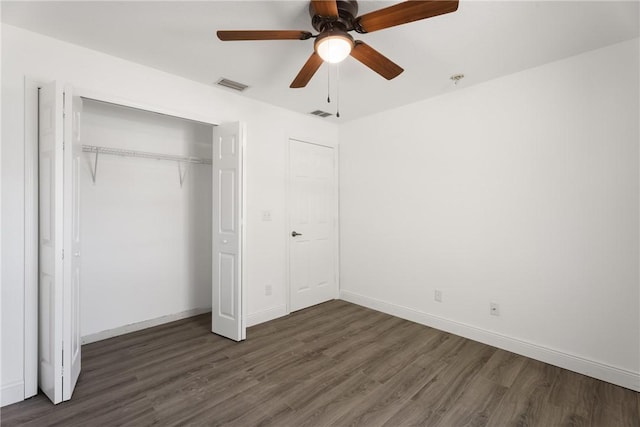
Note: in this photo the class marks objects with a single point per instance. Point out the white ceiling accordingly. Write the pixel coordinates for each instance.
(483, 40)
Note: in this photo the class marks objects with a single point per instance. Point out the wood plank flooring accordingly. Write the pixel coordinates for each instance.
(332, 364)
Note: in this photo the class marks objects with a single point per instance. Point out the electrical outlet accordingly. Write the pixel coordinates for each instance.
(267, 290)
(266, 215)
(494, 309)
(438, 295)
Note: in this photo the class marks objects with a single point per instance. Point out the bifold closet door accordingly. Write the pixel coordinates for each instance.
(71, 320)
(59, 281)
(227, 318)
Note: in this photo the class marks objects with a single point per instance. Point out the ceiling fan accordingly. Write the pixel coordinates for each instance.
(334, 19)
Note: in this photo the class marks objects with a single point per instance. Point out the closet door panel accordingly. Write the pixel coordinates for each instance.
(71, 319)
(227, 298)
(50, 277)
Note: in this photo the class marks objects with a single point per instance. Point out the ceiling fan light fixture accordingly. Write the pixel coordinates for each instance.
(334, 46)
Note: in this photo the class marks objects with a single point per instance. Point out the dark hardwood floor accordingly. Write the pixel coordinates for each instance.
(332, 364)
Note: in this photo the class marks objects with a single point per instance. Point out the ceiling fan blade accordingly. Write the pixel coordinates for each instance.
(308, 70)
(263, 35)
(402, 13)
(375, 60)
(325, 7)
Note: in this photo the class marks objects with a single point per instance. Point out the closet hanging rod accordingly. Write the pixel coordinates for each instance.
(144, 154)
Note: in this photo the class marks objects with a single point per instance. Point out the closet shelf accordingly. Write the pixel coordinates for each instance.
(143, 154)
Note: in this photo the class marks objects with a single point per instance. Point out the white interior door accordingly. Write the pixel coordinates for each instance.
(227, 318)
(312, 219)
(51, 161)
(59, 279)
(71, 273)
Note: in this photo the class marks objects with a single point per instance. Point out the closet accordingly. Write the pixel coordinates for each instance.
(146, 217)
(139, 223)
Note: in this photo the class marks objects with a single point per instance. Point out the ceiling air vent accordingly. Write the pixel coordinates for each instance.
(231, 84)
(321, 113)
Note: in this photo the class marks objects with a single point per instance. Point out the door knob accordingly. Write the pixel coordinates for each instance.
(76, 254)
(295, 233)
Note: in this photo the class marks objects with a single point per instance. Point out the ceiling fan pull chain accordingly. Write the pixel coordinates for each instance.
(338, 90)
(328, 83)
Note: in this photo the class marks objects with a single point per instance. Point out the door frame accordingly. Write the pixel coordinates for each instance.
(31, 208)
(336, 214)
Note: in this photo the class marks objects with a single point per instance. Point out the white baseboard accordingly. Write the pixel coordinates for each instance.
(266, 315)
(12, 393)
(121, 330)
(611, 374)
(252, 320)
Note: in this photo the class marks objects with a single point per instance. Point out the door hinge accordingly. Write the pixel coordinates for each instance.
(63, 254)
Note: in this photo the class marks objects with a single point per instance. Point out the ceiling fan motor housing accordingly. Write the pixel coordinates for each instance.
(334, 32)
(347, 11)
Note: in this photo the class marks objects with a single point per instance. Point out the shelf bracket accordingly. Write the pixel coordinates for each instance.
(94, 172)
(181, 173)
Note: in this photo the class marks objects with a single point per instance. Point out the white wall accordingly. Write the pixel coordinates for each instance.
(268, 129)
(146, 241)
(523, 191)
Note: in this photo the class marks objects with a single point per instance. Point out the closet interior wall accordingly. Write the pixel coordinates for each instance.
(146, 239)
